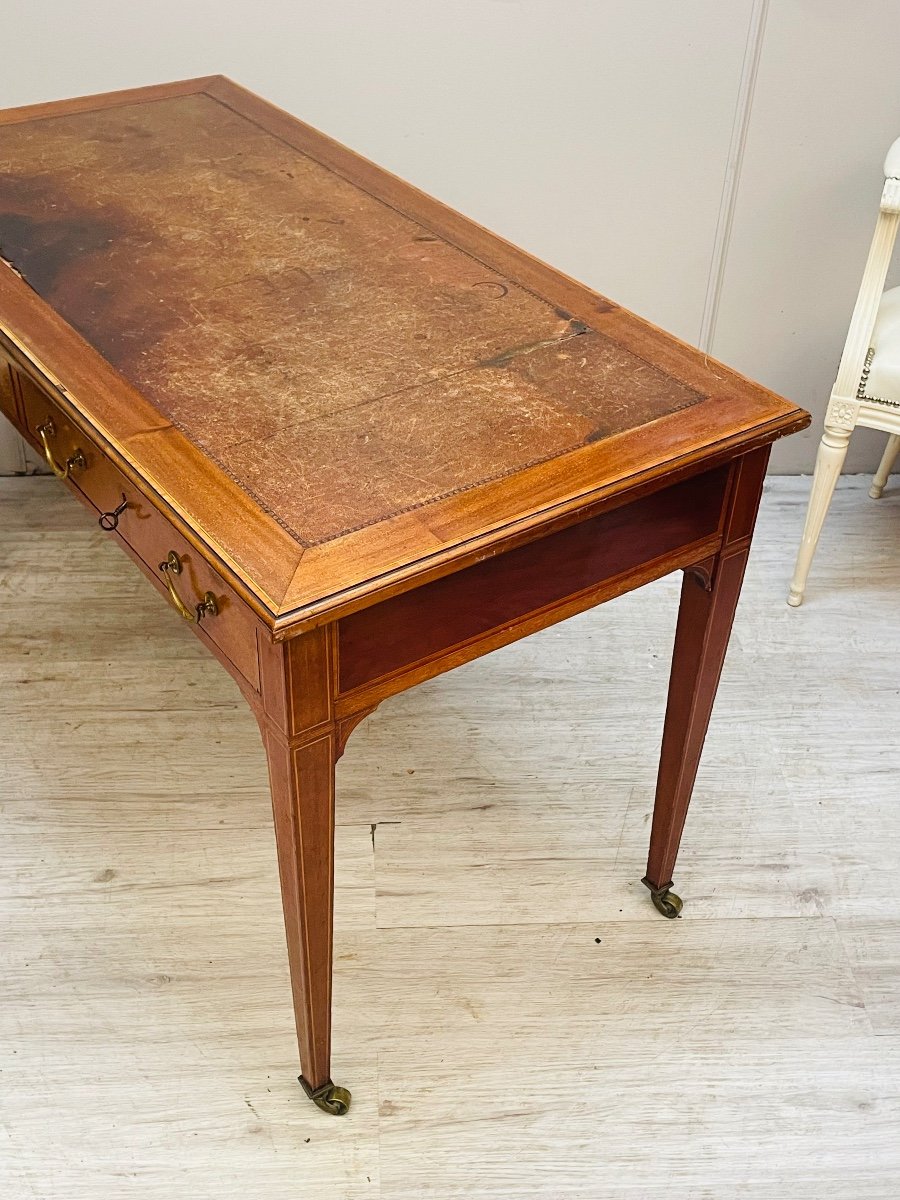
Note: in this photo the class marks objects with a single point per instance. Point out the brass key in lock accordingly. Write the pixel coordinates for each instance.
(110, 520)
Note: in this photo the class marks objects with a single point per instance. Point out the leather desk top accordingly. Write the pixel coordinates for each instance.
(334, 381)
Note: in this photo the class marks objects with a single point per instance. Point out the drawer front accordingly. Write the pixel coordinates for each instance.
(7, 397)
(144, 529)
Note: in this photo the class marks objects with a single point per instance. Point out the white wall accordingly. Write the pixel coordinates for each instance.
(598, 135)
(825, 110)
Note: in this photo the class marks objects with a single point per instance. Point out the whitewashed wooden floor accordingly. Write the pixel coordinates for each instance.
(512, 1016)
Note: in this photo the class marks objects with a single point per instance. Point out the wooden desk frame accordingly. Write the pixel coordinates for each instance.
(317, 635)
(316, 687)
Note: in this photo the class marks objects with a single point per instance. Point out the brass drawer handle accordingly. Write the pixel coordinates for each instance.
(75, 462)
(207, 607)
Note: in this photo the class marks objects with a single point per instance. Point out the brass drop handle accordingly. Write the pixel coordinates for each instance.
(75, 462)
(207, 607)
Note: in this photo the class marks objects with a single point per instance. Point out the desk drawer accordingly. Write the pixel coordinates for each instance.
(143, 529)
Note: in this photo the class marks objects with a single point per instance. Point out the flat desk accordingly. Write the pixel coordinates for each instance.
(355, 439)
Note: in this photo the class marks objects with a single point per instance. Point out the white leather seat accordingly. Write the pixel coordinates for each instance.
(884, 369)
(867, 389)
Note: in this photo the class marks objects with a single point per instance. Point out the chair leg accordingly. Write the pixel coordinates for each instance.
(887, 461)
(830, 459)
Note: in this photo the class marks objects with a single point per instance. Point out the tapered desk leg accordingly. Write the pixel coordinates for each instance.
(301, 775)
(709, 596)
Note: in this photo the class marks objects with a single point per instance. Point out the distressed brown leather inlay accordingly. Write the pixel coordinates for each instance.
(341, 362)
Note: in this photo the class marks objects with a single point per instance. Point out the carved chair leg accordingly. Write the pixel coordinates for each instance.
(829, 461)
(302, 782)
(705, 616)
(891, 450)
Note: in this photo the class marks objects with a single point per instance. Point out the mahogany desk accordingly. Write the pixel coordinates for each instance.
(354, 438)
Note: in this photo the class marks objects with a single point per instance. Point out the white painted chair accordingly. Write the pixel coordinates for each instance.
(867, 389)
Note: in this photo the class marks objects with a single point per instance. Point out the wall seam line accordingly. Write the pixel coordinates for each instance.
(756, 29)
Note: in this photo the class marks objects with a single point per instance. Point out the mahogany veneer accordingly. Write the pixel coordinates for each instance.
(355, 438)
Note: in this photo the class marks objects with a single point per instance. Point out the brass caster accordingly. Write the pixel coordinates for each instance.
(329, 1097)
(667, 903)
(664, 899)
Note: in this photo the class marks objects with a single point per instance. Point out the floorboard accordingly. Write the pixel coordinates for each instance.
(512, 1016)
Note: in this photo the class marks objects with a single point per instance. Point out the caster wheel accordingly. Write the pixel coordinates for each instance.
(330, 1098)
(668, 904)
(335, 1101)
